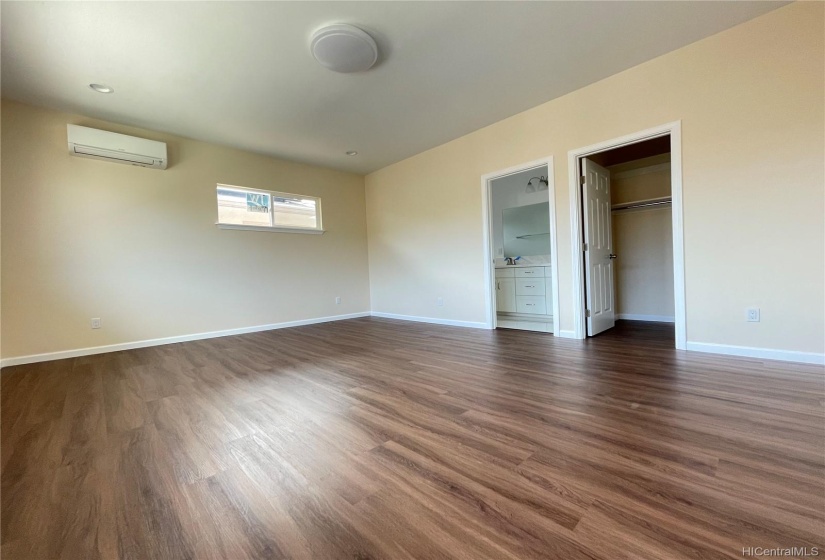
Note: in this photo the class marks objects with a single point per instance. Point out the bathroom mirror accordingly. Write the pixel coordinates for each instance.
(526, 230)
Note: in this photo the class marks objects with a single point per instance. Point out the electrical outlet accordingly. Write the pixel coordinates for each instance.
(96, 323)
(752, 315)
(439, 302)
(338, 300)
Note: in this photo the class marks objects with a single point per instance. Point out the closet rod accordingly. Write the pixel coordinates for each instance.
(642, 203)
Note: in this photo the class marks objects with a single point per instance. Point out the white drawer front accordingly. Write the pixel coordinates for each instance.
(530, 272)
(531, 304)
(530, 287)
(505, 272)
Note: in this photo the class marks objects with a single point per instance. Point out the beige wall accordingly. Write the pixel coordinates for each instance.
(633, 180)
(139, 247)
(643, 240)
(751, 101)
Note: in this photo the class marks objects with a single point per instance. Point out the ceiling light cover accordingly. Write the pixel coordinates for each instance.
(100, 88)
(344, 48)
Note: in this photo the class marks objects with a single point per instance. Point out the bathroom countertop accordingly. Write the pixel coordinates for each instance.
(522, 265)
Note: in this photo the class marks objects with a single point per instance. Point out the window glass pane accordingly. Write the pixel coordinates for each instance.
(295, 212)
(244, 208)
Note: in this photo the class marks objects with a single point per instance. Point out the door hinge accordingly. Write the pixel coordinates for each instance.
(584, 246)
(581, 180)
(587, 313)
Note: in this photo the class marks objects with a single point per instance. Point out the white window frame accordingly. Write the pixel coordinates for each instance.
(319, 229)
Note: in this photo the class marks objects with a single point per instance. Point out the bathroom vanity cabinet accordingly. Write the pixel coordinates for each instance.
(524, 297)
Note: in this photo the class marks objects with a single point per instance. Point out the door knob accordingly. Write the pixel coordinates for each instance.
(612, 256)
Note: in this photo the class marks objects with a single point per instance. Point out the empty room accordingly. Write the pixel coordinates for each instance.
(412, 280)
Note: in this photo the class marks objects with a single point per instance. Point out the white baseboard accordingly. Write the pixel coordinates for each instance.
(433, 320)
(170, 340)
(761, 353)
(651, 318)
(730, 350)
(566, 334)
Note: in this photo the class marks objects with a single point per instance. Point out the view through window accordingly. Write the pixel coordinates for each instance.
(250, 207)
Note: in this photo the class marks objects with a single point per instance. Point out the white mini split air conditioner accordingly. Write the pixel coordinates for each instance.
(118, 148)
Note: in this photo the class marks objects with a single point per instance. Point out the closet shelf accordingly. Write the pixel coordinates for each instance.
(642, 203)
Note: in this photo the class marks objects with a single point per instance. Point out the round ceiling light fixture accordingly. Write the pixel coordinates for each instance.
(352, 153)
(344, 48)
(100, 88)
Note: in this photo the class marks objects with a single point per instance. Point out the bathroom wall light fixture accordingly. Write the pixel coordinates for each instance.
(541, 185)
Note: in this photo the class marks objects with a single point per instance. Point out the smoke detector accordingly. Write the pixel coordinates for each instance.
(344, 48)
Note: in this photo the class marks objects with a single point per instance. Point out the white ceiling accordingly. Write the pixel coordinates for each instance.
(240, 73)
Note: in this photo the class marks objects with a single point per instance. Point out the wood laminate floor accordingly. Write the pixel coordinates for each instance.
(374, 438)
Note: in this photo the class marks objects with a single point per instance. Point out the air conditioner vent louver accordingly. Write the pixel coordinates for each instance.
(117, 156)
(118, 148)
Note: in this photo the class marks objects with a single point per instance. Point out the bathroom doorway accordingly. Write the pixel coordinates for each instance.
(520, 247)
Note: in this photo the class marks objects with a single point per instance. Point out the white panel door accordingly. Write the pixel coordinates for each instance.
(598, 255)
